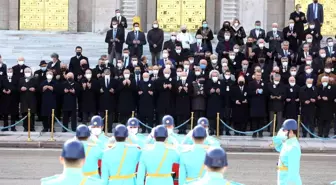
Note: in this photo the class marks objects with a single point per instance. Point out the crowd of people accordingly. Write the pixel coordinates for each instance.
(246, 83)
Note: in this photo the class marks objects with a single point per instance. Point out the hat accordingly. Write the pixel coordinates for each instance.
(199, 132)
(167, 120)
(290, 124)
(120, 131)
(216, 158)
(43, 62)
(73, 149)
(97, 121)
(203, 121)
(160, 131)
(82, 131)
(133, 122)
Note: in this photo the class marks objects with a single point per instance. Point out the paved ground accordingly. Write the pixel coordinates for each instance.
(27, 166)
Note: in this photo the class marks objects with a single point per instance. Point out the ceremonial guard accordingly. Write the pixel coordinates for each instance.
(157, 160)
(289, 147)
(72, 158)
(333, 183)
(93, 152)
(216, 164)
(119, 162)
(193, 169)
(133, 136)
(96, 127)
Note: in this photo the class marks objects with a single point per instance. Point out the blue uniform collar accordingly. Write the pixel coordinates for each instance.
(214, 175)
(72, 172)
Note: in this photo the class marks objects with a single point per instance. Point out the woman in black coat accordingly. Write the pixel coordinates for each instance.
(48, 99)
(207, 34)
(238, 32)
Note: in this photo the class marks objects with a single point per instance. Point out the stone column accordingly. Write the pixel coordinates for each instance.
(142, 13)
(13, 14)
(276, 13)
(73, 16)
(4, 14)
(102, 13)
(210, 13)
(289, 8)
(251, 11)
(151, 14)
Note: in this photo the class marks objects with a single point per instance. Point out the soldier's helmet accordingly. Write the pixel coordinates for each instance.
(160, 131)
(199, 132)
(203, 121)
(167, 120)
(73, 149)
(216, 158)
(97, 121)
(120, 131)
(290, 124)
(133, 122)
(82, 131)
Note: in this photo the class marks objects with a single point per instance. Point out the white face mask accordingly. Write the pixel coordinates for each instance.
(114, 26)
(146, 79)
(135, 63)
(173, 38)
(285, 63)
(178, 73)
(27, 75)
(133, 131)
(312, 27)
(236, 24)
(120, 65)
(282, 134)
(197, 73)
(166, 75)
(308, 62)
(136, 28)
(126, 76)
(199, 40)
(106, 62)
(165, 55)
(186, 66)
(125, 55)
(227, 77)
(9, 74)
(178, 51)
(150, 72)
(327, 70)
(21, 62)
(291, 25)
(227, 37)
(168, 66)
(224, 64)
(170, 131)
(232, 57)
(214, 61)
(88, 76)
(155, 26)
(184, 78)
(330, 44)
(107, 77)
(96, 131)
(214, 79)
(276, 82)
(308, 71)
(191, 61)
(236, 50)
(118, 14)
(155, 72)
(324, 84)
(292, 83)
(309, 85)
(323, 55)
(261, 45)
(293, 73)
(49, 77)
(309, 40)
(275, 29)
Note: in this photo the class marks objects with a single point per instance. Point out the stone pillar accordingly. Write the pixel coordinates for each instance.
(13, 14)
(84, 15)
(210, 13)
(151, 14)
(142, 13)
(4, 14)
(289, 8)
(251, 11)
(102, 13)
(276, 13)
(73, 16)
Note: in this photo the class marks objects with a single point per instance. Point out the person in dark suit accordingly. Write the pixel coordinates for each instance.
(257, 93)
(74, 65)
(207, 35)
(224, 46)
(48, 93)
(183, 90)
(300, 19)
(40, 76)
(108, 97)
(55, 64)
(292, 101)
(315, 14)
(70, 89)
(315, 33)
(238, 32)
(28, 87)
(286, 52)
(146, 90)
(325, 105)
(330, 48)
(136, 40)
(261, 53)
(198, 49)
(284, 70)
(291, 36)
(115, 38)
(274, 38)
(165, 59)
(170, 44)
(308, 99)
(121, 20)
(3, 69)
(226, 92)
(9, 100)
(257, 33)
(198, 95)
(127, 97)
(155, 38)
(240, 105)
(18, 70)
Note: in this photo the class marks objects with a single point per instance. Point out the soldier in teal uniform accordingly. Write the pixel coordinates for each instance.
(93, 152)
(193, 169)
(96, 127)
(72, 158)
(210, 140)
(216, 165)
(134, 137)
(288, 145)
(333, 183)
(120, 161)
(156, 161)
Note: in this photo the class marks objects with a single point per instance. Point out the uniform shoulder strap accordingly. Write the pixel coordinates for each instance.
(83, 181)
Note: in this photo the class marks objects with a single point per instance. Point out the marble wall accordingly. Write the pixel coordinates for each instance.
(252, 10)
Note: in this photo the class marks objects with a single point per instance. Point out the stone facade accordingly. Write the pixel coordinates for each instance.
(95, 15)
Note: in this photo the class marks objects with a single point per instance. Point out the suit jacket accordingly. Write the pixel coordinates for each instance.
(300, 20)
(122, 23)
(293, 40)
(120, 35)
(169, 44)
(333, 52)
(56, 68)
(262, 34)
(274, 44)
(74, 65)
(311, 15)
(136, 49)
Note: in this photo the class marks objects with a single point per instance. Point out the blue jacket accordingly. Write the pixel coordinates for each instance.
(311, 15)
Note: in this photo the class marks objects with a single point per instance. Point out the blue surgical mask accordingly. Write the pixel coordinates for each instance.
(205, 25)
(202, 66)
(43, 68)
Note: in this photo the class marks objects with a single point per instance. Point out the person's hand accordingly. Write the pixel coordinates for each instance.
(79, 77)
(165, 86)
(325, 98)
(138, 41)
(84, 85)
(88, 85)
(269, 54)
(111, 40)
(312, 100)
(288, 99)
(32, 89)
(116, 39)
(288, 34)
(128, 81)
(101, 90)
(252, 54)
(237, 102)
(124, 82)
(66, 90)
(9, 91)
(217, 90)
(278, 97)
(271, 38)
(154, 45)
(150, 93)
(212, 90)
(186, 89)
(307, 102)
(140, 92)
(245, 101)
(50, 88)
(169, 86)
(297, 18)
(45, 88)
(4, 91)
(180, 88)
(134, 42)
(98, 75)
(319, 97)
(111, 90)
(58, 76)
(294, 34)
(297, 100)
(72, 91)
(272, 97)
